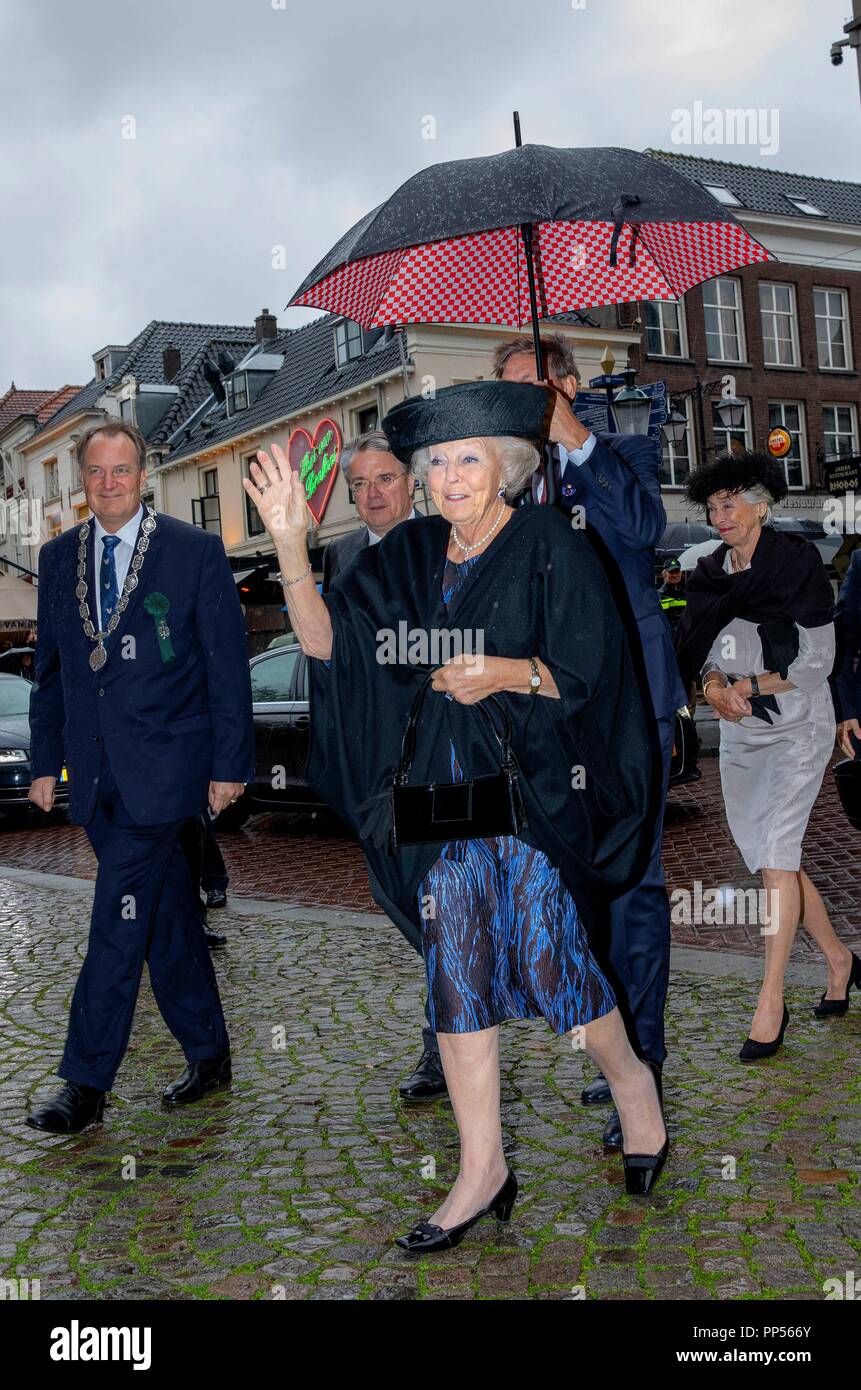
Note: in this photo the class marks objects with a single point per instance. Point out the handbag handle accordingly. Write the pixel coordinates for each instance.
(408, 744)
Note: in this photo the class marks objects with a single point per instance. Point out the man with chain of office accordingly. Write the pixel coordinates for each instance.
(143, 694)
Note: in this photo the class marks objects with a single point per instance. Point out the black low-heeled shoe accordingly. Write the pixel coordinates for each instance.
(425, 1238)
(753, 1051)
(643, 1170)
(835, 1008)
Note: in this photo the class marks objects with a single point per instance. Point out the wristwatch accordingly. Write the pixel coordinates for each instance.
(535, 678)
(754, 685)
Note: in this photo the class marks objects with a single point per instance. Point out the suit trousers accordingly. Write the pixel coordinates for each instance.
(146, 908)
(639, 952)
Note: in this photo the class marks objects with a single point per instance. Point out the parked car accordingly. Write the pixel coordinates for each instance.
(282, 728)
(279, 691)
(15, 775)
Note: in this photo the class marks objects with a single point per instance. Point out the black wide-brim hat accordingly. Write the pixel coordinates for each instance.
(470, 410)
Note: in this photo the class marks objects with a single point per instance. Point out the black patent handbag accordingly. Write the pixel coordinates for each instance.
(476, 809)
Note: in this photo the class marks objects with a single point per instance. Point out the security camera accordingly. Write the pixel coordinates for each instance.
(837, 54)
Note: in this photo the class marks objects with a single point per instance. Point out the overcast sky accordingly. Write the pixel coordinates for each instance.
(267, 123)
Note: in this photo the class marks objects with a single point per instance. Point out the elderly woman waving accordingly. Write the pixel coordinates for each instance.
(758, 631)
(517, 803)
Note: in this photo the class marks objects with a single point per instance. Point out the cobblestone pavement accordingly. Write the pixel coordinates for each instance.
(292, 1183)
(309, 863)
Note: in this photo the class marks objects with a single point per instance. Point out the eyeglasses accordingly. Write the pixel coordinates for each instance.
(385, 480)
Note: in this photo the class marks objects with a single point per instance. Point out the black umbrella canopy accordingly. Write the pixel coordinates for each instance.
(529, 184)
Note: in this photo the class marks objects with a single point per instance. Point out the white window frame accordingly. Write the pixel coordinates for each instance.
(847, 339)
(679, 306)
(853, 417)
(349, 328)
(737, 308)
(668, 449)
(778, 314)
(802, 439)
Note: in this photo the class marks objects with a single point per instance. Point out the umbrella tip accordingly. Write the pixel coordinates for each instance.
(517, 140)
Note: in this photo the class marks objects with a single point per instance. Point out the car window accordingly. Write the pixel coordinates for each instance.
(272, 679)
(15, 696)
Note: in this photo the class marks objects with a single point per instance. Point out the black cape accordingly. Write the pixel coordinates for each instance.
(538, 590)
(786, 582)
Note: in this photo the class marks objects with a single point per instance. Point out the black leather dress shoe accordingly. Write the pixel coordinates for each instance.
(612, 1136)
(216, 897)
(214, 939)
(425, 1237)
(596, 1093)
(198, 1078)
(72, 1109)
(427, 1081)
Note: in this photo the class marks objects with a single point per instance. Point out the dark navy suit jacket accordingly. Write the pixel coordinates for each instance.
(166, 729)
(846, 680)
(620, 494)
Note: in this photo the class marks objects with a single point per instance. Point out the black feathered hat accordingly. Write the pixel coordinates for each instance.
(470, 410)
(737, 473)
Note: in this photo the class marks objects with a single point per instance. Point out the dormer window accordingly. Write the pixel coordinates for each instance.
(236, 392)
(348, 342)
(245, 382)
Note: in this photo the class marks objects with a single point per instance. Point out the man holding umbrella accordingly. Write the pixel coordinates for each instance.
(614, 479)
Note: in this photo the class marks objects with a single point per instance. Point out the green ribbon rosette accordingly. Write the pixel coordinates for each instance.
(157, 605)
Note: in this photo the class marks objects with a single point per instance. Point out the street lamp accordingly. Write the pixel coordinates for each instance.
(631, 406)
(674, 427)
(730, 412)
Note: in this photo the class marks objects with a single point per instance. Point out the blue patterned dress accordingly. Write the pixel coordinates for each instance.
(501, 936)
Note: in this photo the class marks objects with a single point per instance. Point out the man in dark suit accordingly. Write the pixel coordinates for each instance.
(613, 480)
(143, 692)
(382, 490)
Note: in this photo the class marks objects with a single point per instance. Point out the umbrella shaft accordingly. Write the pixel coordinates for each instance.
(526, 229)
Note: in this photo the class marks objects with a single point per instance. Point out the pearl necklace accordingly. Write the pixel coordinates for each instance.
(467, 548)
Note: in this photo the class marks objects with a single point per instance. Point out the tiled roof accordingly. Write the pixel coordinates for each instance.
(145, 362)
(193, 386)
(16, 402)
(309, 375)
(56, 402)
(762, 189)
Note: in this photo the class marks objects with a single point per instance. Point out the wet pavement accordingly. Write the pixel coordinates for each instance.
(292, 1183)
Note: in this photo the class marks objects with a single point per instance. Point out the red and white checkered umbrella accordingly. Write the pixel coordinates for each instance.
(605, 226)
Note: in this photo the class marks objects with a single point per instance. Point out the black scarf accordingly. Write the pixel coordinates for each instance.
(786, 583)
(537, 590)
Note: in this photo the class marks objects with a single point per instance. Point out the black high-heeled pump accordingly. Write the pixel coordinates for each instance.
(425, 1237)
(835, 1008)
(643, 1170)
(753, 1051)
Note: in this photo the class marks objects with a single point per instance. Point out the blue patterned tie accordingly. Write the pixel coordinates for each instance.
(108, 579)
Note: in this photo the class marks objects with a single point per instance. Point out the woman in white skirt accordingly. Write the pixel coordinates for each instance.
(758, 632)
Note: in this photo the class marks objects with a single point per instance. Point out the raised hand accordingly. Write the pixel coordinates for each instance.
(278, 495)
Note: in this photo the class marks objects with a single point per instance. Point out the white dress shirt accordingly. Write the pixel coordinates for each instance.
(374, 539)
(123, 553)
(566, 456)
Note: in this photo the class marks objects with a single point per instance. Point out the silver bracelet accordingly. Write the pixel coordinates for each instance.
(288, 583)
